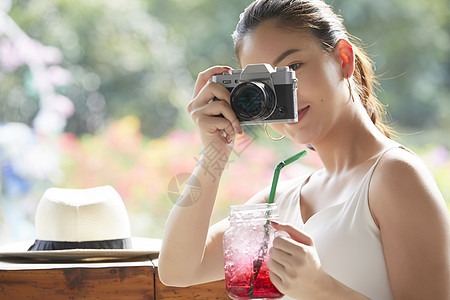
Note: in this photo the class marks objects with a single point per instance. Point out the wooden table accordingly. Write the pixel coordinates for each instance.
(108, 280)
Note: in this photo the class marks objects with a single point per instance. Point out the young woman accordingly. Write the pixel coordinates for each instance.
(371, 224)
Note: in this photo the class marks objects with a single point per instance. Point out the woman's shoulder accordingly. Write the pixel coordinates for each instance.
(401, 165)
(401, 183)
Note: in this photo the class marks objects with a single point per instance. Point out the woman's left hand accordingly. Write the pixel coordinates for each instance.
(294, 264)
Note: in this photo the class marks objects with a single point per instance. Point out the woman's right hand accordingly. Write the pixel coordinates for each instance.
(216, 122)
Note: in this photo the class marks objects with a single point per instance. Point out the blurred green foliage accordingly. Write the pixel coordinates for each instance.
(410, 44)
(141, 57)
(119, 55)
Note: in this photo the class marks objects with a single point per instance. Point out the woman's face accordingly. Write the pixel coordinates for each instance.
(321, 92)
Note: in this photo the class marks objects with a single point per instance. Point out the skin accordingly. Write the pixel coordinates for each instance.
(404, 200)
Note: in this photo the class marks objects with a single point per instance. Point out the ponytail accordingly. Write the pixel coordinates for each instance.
(366, 82)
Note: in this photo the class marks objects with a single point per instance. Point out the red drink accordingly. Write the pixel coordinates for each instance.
(246, 244)
(239, 285)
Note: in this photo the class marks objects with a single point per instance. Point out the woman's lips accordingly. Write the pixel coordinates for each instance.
(301, 113)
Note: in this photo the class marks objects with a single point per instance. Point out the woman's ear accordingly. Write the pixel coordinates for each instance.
(346, 55)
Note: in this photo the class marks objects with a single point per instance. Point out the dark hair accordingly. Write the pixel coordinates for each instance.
(327, 27)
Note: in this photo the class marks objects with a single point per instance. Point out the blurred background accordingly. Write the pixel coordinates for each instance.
(94, 93)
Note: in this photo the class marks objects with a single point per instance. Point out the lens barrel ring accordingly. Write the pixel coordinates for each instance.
(253, 100)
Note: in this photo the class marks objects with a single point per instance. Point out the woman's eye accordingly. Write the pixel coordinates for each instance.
(295, 66)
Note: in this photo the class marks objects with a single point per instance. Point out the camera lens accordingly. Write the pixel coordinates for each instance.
(252, 100)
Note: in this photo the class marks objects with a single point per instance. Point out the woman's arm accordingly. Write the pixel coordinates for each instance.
(191, 253)
(182, 256)
(415, 229)
(181, 260)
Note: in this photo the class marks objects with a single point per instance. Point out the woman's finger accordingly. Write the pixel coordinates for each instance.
(210, 119)
(276, 280)
(217, 126)
(211, 91)
(290, 246)
(280, 256)
(222, 109)
(275, 267)
(205, 76)
(295, 234)
(289, 262)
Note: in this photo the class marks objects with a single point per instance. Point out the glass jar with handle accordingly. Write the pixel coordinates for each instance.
(246, 247)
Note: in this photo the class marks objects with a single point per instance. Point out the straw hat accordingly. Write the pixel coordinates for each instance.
(82, 224)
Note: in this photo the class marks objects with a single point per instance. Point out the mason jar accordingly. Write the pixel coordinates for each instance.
(246, 246)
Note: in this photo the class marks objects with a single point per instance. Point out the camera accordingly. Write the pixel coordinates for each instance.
(260, 94)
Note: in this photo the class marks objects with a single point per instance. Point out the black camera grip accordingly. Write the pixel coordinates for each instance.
(217, 99)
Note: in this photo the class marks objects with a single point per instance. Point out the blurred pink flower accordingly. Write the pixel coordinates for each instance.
(10, 58)
(61, 104)
(190, 138)
(59, 76)
(32, 51)
(51, 55)
(69, 143)
(29, 50)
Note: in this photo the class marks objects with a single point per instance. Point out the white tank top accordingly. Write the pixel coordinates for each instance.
(346, 238)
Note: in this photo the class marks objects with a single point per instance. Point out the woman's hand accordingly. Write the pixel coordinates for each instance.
(216, 121)
(295, 268)
(294, 264)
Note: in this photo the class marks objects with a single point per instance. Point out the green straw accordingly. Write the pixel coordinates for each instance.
(276, 174)
(264, 247)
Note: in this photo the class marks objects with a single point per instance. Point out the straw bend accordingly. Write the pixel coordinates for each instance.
(276, 173)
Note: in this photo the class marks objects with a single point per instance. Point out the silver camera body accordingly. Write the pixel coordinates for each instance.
(260, 94)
